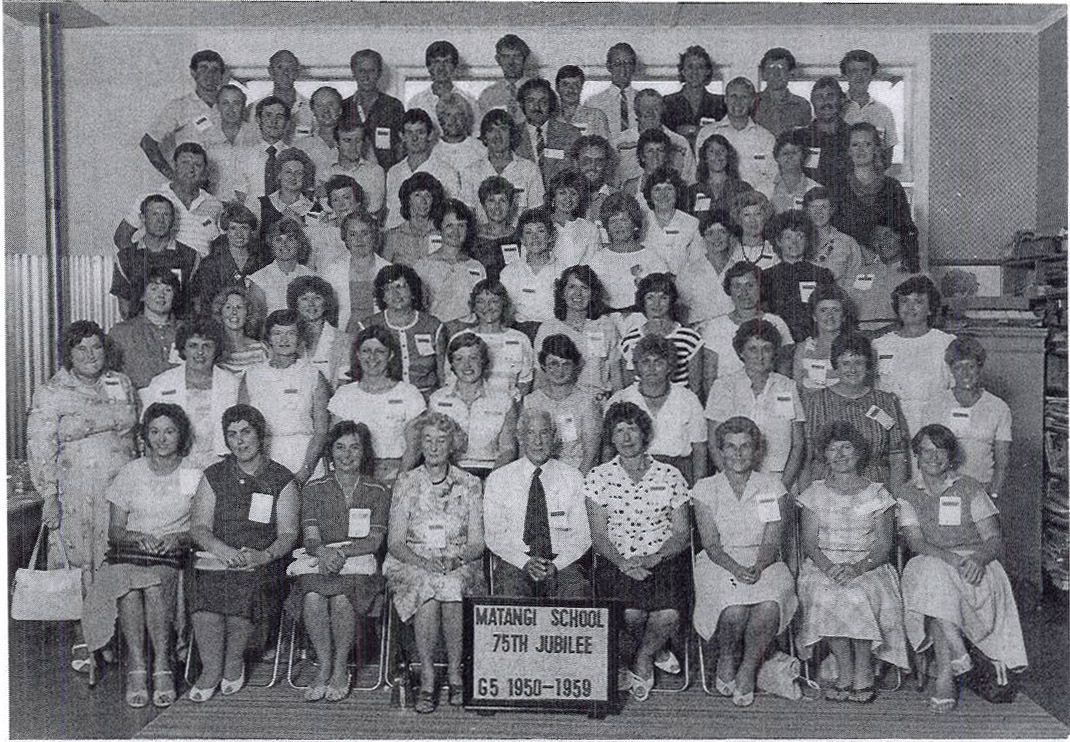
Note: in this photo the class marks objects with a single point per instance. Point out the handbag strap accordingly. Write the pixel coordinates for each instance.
(37, 547)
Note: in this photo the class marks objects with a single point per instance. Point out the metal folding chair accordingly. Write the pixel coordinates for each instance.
(293, 669)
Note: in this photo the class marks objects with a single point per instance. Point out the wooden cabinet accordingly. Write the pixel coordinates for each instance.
(1014, 371)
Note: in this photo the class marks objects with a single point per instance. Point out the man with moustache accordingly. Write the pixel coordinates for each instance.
(827, 137)
(535, 519)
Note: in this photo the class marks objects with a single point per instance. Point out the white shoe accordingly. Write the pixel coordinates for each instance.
(666, 661)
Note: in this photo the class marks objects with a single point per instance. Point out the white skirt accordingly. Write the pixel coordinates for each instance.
(716, 589)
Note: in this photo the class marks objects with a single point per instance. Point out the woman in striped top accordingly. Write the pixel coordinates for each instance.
(657, 298)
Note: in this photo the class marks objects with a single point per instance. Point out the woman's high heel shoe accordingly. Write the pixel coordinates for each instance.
(230, 687)
(200, 695)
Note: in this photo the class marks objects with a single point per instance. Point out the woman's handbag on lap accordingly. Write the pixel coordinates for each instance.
(49, 594)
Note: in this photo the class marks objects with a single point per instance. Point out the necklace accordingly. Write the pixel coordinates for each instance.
(444, 477)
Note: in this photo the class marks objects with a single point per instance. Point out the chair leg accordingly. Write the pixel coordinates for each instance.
(685, 663)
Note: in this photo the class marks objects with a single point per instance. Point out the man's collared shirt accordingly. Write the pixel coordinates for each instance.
(754, 144)
(196, 226)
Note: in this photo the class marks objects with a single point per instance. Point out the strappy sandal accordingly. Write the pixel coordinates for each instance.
(863, 695)
(335, 693)
(725, 688)
(81, 664)
(137, 698)
(163, 697)
(942, 705)
(837, 694)
(425, 702)
(641, 687)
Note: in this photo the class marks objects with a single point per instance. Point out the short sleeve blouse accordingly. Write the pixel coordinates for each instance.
(736, 518)
(846, 523)
(155, 504)
(385, 414)
(639, 513)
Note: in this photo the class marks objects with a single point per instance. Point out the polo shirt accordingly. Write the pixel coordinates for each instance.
(678, 242)
(977, 428)
(436, 164)
(522, 173)
(133, 264)
(620, 273)
(187, 119)
(195, 226)
(502, 94)
(370, 177)
(532, 293)
(145, 349)
(448, 286)
(482, 421)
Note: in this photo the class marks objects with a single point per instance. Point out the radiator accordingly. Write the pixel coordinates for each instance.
(28, 321)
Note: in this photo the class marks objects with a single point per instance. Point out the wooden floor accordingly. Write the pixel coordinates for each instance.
(48, 701)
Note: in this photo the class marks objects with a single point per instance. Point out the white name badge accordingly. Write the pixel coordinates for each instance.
(510, 253)
(114, 389)
(568, 428)
(382, 137)
(260, 507)
(582, 127)
(880, 417)
(863, 282)
(707, 121)
(188, 479)
(596, 343)
(202, 123)
(950, 510)
(303, 131)
(702, 203)
(959, 419)
(818, 371)
(434, 243)
(813, 158)
(475, 273)
(554, 154)
(805, 289)
(798, 201)
(424, 345)
(436, 535)
(759, 157)
(785, 405)
(360, 522)
(559, 520)
(768, 512)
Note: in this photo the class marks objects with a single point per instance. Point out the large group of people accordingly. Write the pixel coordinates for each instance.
(675, 352)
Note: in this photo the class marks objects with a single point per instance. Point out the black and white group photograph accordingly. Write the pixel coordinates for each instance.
(536, 370)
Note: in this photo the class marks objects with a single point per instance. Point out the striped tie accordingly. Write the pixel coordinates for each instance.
(624, 123)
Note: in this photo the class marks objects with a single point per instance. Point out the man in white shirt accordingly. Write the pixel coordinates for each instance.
(421, 156)
(196, 212)
(224, 156)
(511, 53)
(648, 111)
(343, 195)
(535, 518)
(859, 67)
(753, 143)
(284, 69)
(441, 59)
(258, 169)
(189, 118)
(350, 162)
(617, 101)
(321, 145)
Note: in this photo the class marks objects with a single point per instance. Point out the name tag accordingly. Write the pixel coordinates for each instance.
(290, 391)
(950, 510)
(817, 370)
(434, 243)
(959, 419)
(759, 157)
(206, 223)
(702, 203)
(188, 479)
(880, 417)
(768, 511)
(559, 520)
(260, 507)
(596, 343)
(510, 253)
(603, 235)
(582, 127)
(168, 392)
(627, 145)
(798, 201)
(444, 405)
(424, 344)
(568, 429)
(672, 232)
(805, 289)
(475, 273)
(202, 123)
(863, 282)
(884, 362)
(436, 535)
(303, 130)
(785, 405)
(813, 158)
(360, 522)
(527, 290)
(707, 121)
(382, 137)
(554, 154)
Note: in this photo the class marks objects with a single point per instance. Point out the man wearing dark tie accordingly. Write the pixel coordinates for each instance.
(618, 100)
(535, 519)
(546, 139)
(259, 161)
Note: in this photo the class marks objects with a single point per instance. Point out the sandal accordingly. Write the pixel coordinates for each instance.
(742, 699)
(863, 695)
(335, 693)
(163, 697)
(81, 664)
(641, 687)
(725, 688)
(200, 695)
(137, 698)
(456, 694)
(837, 694)
(315, 692)
(230, 687)
(425, 702)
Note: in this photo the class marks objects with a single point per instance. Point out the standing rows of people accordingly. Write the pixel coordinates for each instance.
(540, 344)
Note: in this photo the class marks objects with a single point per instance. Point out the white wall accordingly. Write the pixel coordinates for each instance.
(117, 78)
